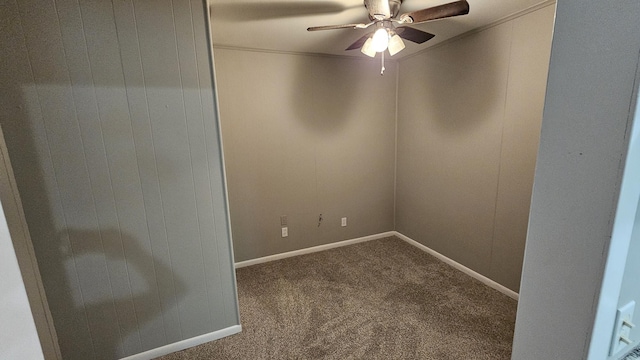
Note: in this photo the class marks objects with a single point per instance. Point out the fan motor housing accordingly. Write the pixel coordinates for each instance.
(382, 9)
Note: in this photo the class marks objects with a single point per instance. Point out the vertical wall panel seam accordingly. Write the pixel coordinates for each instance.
(315, 155)
(395, 157)
(88, 175)
(206, 153)
(144, 209)
(155, 160)
(48, 315)
(504, 120)
(193, 180)
(55, 177)
(64, 219)
(126, 263)
(110, 181)
(62, 202)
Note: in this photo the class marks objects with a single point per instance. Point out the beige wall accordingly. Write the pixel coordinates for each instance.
(108, 113)
(586, 187)
(469, 115)
(303, 136)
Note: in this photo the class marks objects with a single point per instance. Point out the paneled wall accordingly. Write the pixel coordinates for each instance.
(306, 135)
(469, 115)
(110, 121)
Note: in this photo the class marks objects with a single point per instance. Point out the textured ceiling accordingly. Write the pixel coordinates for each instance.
(280, 25)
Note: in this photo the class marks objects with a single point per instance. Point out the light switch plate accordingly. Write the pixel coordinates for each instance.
(621, 330)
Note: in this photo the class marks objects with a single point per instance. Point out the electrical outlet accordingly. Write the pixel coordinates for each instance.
(283, 220)
(622, 329)
(285, 232)
(344, 221)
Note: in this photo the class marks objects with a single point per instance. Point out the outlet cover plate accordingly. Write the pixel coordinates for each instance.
(623, 313)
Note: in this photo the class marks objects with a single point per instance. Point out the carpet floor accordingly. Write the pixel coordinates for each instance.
(381, 299)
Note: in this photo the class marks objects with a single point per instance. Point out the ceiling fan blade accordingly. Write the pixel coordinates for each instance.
(358, 43)
(344, 26)
(437, 12)
(415, 35)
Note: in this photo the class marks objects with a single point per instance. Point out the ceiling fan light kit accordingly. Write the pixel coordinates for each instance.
(388, 35)
(368, 49)
(395, 44)
(380, 40)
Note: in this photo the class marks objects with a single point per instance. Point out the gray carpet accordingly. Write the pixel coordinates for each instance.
(382, 299)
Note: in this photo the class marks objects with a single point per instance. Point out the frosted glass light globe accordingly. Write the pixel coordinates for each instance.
(380, 40)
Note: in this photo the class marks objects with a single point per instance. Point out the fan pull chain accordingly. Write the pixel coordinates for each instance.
(382, 69)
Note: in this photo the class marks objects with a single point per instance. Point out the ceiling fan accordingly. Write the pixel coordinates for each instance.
(390, 28)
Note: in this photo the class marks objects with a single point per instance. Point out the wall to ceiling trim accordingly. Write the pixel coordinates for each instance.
(503, 20)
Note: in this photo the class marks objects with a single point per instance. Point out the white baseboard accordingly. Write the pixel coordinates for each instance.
(483, 279)
(313, 249)
(184, 344)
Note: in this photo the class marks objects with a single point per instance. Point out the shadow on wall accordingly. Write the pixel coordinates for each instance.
(457, 88)
(101, 301)
(327, 91)
(69, 118)
(87, 277)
